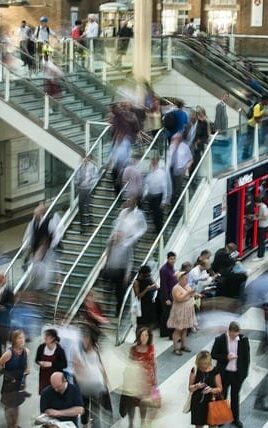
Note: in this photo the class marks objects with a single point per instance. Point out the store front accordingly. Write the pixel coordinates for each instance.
(221, 16)
(241, 190)
(175, 16)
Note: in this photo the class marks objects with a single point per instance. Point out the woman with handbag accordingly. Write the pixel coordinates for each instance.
(204, 383)
(15, 364)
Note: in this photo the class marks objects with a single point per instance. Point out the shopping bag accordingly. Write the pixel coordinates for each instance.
(219, 413)
(136, 307)
(187, 404)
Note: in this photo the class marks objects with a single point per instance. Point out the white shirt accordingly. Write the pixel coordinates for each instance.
(180, 157)
(92, 30)
(232, 349)
(133, 225)
(24, 33)
(43, 34)
(263, 212)
(196, 275)
(156, 183)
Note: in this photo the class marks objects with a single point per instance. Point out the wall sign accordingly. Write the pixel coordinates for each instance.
(256, 13)
(217, 211)
(216, 228)
(28, 168)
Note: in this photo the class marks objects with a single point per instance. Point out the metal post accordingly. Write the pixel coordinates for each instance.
(91, 56)
(104, 73)
(71, 56)
(209, 166)
(161, 251)
(169, 54)
(1, 64)
(256, 153)
(100, 152)
(7, 84)
(46, 112)
(234, 149)
(87, 137)
(186, 207)
(232, 43)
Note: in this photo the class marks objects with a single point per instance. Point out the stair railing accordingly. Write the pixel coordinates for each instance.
(65, 197)
(95, 271)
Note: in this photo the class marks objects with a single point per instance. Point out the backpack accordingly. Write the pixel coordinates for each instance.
(190, 30)
(38, 31)
(250, 111)
(170, 120)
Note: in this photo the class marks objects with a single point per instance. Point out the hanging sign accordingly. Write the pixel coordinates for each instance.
(256, 13)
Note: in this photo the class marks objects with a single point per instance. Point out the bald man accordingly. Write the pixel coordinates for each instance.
(61, 400)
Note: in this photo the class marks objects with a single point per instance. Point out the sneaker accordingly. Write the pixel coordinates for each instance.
(257, 259)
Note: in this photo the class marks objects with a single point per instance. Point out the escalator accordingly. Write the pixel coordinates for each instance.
(213, 77)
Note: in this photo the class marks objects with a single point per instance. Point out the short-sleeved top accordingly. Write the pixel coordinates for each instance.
(258, 112)
(50, 399)
(263, 212)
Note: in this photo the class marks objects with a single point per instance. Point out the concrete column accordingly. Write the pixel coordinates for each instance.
(142, 39)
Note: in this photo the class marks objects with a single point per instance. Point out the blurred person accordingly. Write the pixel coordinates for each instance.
(132, 176)
(167, 282)
(190, 129)
(204, 255)
(201, 136)
(129, 227)
(91, 30)
(145, 289)
(50, 357)
(204, 383)
(190, 29)
(77, 31)
(221, 117)
(61, 400)
(232, 353)
(85, 179)
(176, 119)
(262, 218)
(52, 76)
(15, 362)
(182, 315)
(92, 310)
(7, 301)
(26, 314)
(156, 192)
(92, 380)
(180, 160)
(24, 33)
(255, 116)
(124, 35)
(143, 353)
(230, 283)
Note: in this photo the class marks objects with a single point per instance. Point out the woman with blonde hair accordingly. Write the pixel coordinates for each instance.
(15, 364)
(204, 382)
(182, 314)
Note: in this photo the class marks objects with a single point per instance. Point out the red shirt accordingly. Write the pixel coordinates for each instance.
(76, 32)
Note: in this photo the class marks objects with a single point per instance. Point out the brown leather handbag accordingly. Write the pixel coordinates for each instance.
(219, 412)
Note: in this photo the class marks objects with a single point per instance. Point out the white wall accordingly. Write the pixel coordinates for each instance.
(188, 243)
(175, 84)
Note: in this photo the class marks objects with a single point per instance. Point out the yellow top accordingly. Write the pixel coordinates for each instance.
(258, 112)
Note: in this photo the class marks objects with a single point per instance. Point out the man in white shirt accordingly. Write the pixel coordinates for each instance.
(42, 34)
(198, 276)
(232, 353)
(262, 217)
(91, 30)
(132, 176)
(24, 33)
(181, 159)
(156, 192)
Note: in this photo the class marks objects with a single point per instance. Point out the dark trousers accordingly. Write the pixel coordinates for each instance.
(156, 210)
(117, 179)
(230, 379)
(177, 183)
(116, 277)
(23, 48)
(247, 149)
(261, 241)
(99, 409)
(83, 205)
(164, 331)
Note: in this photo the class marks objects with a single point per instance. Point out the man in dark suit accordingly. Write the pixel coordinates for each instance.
(232, 353)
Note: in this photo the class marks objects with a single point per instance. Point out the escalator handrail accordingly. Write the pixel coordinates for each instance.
(159, 236)
(97, 230)
(24, 245)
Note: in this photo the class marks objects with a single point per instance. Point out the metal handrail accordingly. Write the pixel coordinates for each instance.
(99, 227)
(58, 197)
(159, 236)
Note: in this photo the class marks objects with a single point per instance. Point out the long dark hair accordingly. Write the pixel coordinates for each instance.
(52, 333)
(139, 333)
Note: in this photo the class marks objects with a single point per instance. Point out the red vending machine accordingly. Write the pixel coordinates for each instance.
(241, 190)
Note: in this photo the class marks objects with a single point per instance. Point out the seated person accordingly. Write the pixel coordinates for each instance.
(61, 400)
(199, 276)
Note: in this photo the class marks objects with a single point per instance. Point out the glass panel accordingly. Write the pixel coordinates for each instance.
(222, 152)
(263, 137)
(245, 141)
